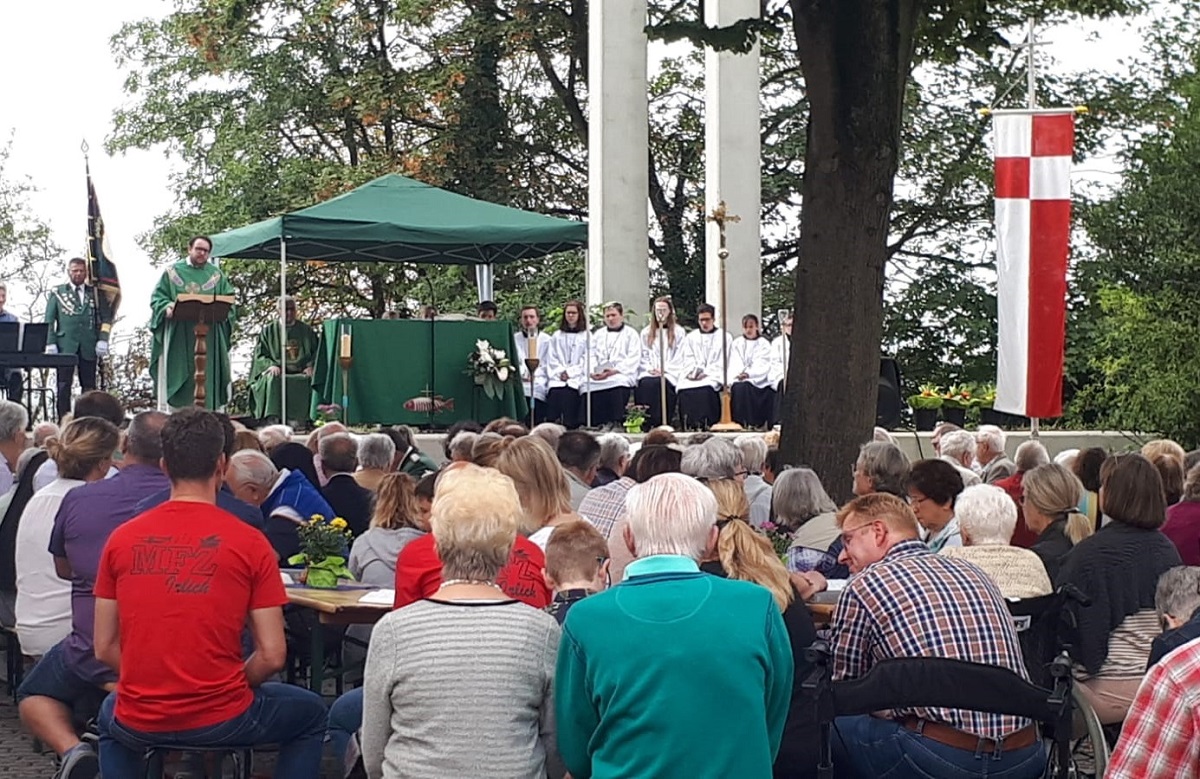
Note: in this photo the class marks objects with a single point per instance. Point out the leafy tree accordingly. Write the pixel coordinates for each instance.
(857, 59)
(28, 254)
(1134, 354)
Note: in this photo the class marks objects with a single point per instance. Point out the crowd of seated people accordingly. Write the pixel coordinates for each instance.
(540, 575)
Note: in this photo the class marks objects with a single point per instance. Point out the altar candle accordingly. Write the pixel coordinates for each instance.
(531, 345)
(345, 343)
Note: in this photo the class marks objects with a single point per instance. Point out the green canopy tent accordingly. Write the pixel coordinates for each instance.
(397, 219)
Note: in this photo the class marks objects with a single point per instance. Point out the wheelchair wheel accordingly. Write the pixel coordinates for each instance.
(1091, 746)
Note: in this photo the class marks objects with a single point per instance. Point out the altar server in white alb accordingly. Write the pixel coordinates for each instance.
(531, 340)
(616, 355)
(751, 396)
(566, 366)
(704, 353)
(781, 352)
(662, 342)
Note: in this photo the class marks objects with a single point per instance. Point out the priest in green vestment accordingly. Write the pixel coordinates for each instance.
(172, 358)
(297, 368)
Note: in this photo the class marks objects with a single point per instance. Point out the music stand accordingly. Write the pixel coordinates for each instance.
(202, 310)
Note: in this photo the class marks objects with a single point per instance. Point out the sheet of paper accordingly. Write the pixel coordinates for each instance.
(836, 585)
(378, 598)
(287, 577)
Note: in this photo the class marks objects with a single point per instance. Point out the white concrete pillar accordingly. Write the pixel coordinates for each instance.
(618, 149)
(733, 166)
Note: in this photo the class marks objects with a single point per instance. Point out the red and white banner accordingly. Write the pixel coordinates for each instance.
(1033, 224)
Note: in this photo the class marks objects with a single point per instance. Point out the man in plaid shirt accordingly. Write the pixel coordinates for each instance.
(1161, 735)
(906, 601)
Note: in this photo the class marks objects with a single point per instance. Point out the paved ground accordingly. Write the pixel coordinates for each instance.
(18, 760)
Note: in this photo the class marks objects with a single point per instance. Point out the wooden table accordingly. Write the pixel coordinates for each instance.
(822, 605)
(333, 607)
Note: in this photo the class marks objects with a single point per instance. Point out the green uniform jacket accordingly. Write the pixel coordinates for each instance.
(73, 327)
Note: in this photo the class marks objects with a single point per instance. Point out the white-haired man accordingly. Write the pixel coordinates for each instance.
(285, 497)
(990, 454)
(624, 705)
(958, 449)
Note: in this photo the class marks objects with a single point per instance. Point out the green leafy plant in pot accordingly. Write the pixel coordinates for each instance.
(925, 405)
(323, 545)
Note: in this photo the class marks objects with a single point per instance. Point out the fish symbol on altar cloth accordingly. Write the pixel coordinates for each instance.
(424, 405)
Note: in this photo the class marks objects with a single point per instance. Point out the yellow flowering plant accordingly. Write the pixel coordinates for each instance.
(324, 545)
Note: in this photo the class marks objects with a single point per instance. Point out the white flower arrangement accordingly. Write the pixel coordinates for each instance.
(490, 368)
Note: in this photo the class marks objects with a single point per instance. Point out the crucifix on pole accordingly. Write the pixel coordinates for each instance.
(721, 216)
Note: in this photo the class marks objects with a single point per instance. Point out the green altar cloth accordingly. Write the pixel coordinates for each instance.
(413, 372)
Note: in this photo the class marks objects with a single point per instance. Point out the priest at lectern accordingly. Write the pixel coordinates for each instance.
(172, 357)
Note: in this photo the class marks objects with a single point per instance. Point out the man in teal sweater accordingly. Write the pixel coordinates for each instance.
(672, 673)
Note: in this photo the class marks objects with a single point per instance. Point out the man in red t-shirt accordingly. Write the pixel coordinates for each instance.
(174, 589)
(419, 573)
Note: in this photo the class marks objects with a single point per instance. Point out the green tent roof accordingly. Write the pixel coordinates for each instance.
(396, 219)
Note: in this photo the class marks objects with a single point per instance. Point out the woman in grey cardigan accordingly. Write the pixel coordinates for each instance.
(460, 684)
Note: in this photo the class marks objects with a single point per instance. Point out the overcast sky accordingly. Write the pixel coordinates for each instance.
(61, 85)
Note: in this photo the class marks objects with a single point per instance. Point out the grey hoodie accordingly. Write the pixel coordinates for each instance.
(373, 556)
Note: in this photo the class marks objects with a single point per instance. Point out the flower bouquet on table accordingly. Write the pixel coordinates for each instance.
(323, 545)
(779, 537)
(491, 369)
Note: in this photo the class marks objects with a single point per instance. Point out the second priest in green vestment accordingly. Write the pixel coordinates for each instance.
(301, 352)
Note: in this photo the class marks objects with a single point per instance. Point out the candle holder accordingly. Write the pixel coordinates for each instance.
(345, 359)
(531, 365)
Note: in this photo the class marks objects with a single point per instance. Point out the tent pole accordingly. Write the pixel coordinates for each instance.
(283, 330)
(587, 328)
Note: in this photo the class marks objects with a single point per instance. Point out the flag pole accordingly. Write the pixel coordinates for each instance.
(91, 261)
(283, 330)
(1031, 43)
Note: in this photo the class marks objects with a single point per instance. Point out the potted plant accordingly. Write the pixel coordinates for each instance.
(955, 402)
(986, 401)
(925, 405)
(635, 418)
(323, 545)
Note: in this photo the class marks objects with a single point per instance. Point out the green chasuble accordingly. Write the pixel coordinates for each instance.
(264, 388)
(171, 358)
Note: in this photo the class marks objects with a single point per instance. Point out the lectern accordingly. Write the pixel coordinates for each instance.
(202, 310)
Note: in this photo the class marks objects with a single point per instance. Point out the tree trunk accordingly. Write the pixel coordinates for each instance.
(856, 56)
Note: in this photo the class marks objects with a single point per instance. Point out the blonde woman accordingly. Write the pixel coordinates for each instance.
(663, 337)
(743, 553)
(396, 521)
(83, 453)
(1050, 503)
(541, 484)
(459, 684)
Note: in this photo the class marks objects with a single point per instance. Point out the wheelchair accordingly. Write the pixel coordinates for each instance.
(1039, 622)
(935, 682)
